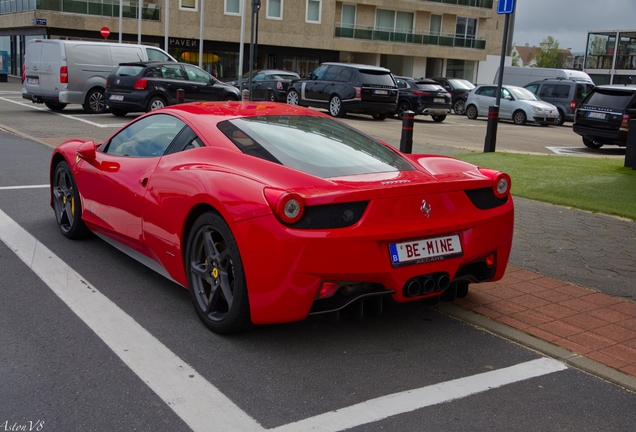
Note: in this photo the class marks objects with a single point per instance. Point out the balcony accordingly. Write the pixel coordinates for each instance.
(371, 33)
(108, 8)
(484, 4)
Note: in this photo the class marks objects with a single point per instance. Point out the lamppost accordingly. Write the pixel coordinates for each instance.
(256, 5)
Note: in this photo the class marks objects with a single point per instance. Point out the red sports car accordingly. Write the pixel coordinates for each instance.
(270, 212)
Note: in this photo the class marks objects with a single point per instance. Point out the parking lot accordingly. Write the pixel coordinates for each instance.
(96, 341)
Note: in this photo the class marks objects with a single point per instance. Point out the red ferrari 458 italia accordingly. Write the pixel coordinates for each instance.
(269, 212)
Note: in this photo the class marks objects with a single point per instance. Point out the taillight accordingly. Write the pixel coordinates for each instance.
(63, 74)
(288, 207)
(23, 72)
(279, 85)
(625, 122)
(358, 92)
(140, 84)
(502, 185)
(573, 105)
(327, 289)
(421, 93)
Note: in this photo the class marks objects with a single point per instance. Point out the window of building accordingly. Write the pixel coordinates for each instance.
(465, 32)
(392, 21)
(600, 50)
(189, 5)
(232, 7)
(626, 55)
(348, 16)
(275, 9)
(314, 8)
(464, 69)
(435, 28)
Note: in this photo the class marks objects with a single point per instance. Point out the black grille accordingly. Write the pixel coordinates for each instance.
(331, 215)
(485, 198)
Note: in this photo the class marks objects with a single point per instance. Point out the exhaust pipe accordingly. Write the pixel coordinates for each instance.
(428, 284)
(442, 281)
(412, 288)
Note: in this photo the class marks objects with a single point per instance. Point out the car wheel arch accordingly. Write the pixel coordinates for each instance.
(193, 215)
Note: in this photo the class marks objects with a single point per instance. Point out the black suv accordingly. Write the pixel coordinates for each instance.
(423, 97)
(147, 86)
(459, 89)
(343, 87)
(603, 116)
(565, 94)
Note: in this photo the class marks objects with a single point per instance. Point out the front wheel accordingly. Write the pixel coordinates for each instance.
(379, 116)
(118, 112)
(519, 117)
(215, 276)
(471, 112)
(271, 96)
(292, 97)
(459, 107)
(560, 119)
(590, 143)
(67, 204)
(55, 106)
(95, 102)
(439, 118)
(335, 107)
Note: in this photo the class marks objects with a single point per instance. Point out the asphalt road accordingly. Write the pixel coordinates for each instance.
(92, 340)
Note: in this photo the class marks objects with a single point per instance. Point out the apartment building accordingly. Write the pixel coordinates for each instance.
(610, 57)
(410, 37)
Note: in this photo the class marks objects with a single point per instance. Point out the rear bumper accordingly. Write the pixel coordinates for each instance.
(603, 136)
(132, 102)
(365, 107)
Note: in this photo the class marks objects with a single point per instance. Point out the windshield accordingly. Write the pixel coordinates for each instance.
(461, 84)
(522, 94)
(610, 99)
(315, 145)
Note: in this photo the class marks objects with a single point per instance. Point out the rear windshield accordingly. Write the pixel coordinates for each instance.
(430, 87)
(376, 78)
(609, 99)
(316, 145)
(461, 84)
(129, 70)
(285, 76)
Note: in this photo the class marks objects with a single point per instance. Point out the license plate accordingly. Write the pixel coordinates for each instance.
(438, 100)
(426, 250)
(381, 92)
(596, 115)
(33, 81)
(116, 97)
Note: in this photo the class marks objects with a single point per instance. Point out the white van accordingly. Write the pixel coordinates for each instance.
(60, 72)
(520, 76)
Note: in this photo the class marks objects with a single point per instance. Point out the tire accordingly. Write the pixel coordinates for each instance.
(67, 203)
(230, 98)
(335, 107)
(271, 96)
(471, 112)
(118, 112)
(519, 117)
(462, 289)
(402, 108)
(379, 116)
(95, 102)
(459, 107)
(544, 124)
(561, 119)
(215, 276)
(55, 106)
(155, 103)
(590, 143)
(439, 118)
(292, 97)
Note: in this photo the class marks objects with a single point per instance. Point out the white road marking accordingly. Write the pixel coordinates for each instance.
(117, 125)
(24, 187)
(197, 402)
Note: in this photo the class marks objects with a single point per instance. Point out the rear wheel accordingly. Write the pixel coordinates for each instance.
(471, 112)
(155, 103)
(459, 107)
(215, 276)
(402, 108)
(55, 106)
(271, 96)
(118, 112)
(379, 116)
(590, 143)
(335, 107)
(94, 102)
(292, 97)
(439, 118)
(561, 118)
(67, 204)
(230, 98)
(519, 117)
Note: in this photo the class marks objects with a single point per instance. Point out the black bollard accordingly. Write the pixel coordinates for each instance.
(406, 142)
(491, 129)
(630, 150)
(180, 96)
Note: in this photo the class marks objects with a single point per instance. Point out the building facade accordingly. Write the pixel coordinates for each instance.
(610, 57)
(419, 38)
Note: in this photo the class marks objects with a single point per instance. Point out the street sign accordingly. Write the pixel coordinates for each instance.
(505, 6)
(105, 32)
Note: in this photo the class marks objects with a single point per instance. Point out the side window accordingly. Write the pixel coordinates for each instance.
(123, 54)
(401, 83)
(505, 94)
(331, 73)
(186, 140)
(172, 72)
(533, 88)
(342, 74)
(196, 74)
(486, 91)
(582, 90)
(156, 55)
(149, 137)
(547, 90)
(318, 73)
(259, 77)
(562, 91)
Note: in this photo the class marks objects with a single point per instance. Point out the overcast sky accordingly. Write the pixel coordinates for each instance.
(569, 20)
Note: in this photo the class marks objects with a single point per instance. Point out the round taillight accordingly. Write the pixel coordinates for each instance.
(290, 208)
(502, 185)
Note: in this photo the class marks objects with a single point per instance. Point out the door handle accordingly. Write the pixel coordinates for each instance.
(143, 182)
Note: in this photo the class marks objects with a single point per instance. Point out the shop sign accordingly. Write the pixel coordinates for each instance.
(183, 43)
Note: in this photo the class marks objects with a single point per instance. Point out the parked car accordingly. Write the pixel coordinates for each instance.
(459, 89)
(268, 84)
(516, 104)
(603, 116)
(147, 86)
(343, 87)
(60, 72)
(423, 97)
(565, 94)
(271, 213)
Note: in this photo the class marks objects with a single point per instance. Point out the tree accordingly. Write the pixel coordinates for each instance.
(516, 60)
(549, 54)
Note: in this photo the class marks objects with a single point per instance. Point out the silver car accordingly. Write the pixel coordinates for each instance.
(517, 104)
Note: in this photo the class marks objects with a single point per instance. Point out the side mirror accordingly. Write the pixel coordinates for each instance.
(86, 151)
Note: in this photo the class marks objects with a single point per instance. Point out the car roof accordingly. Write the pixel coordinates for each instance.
(418, 80)
(275, 71)
(358, 66)
(620, 87)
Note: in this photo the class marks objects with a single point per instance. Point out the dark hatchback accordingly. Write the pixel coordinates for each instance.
(147, 86)
(423, 97)
(345, 87)
(459, 89)
(603, 116)
(268, 84)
